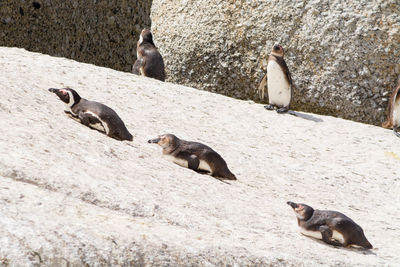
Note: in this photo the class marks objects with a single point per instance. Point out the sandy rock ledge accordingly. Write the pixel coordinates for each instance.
(71, 196)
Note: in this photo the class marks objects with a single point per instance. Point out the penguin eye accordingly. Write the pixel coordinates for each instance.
(63, 92)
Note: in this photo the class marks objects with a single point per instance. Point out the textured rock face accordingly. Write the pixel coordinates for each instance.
(344, 56)
(71, 196)
(99, 32)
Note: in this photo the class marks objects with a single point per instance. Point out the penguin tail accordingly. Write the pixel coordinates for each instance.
(229, 175)
(369, 246)
(366, 244)
(130, 138)
(224, 175)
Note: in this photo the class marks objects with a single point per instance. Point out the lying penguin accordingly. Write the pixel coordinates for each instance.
(195, 156)
(93, 114)
(393, 111)
(332, 227)
(278, 80)
(149, 61)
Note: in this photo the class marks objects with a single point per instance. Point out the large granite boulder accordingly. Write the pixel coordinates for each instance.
(344, 56)
(99, 32)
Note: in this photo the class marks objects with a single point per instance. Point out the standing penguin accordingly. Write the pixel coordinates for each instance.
(393, 111)
(149, 61)
(195, 156)
(278, 80)
(332, 227)
(93, 114)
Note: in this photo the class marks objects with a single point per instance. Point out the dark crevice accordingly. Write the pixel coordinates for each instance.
(36, 5)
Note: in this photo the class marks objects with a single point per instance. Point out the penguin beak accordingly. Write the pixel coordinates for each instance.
(53, 90)
(292, 204)
(155, 141)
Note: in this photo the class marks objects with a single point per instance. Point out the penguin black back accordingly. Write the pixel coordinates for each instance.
(93, 114)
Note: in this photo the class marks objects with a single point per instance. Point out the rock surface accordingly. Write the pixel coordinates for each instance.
(344, 56)
(98, 32)
(71, 195)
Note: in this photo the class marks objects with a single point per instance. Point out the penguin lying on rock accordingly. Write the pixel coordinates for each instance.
(332, 227)
(93, 114)
(193, 155)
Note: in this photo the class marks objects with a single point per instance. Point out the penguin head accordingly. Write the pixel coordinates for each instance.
(277, 50)
(303, 212)
(69, 96)
(146, 37)
(165, 140)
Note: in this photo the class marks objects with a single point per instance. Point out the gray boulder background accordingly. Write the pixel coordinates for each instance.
(98, 32)
(344, 56)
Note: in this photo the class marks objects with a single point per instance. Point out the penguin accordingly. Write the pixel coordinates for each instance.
(278, 80)
(93, 114)
(149, 61)
(195, 156)
(393, 111)
(332, 227)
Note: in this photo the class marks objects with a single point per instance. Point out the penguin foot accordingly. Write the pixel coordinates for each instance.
(269, 107)
(282, 110)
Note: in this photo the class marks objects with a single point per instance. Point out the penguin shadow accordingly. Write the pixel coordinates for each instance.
(358, 250)
(208, 174)
(304, 116)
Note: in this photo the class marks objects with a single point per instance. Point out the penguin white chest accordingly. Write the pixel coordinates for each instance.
(317, 234)
(279, 91)
(204, 166)
(180, 162)
(396, 113)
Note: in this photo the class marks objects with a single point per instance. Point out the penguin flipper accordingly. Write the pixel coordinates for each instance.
(136, 66)
(88, 118)
(261, 87)
(91, 121)
(326, 233)
(72, 116)
(193, 162)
